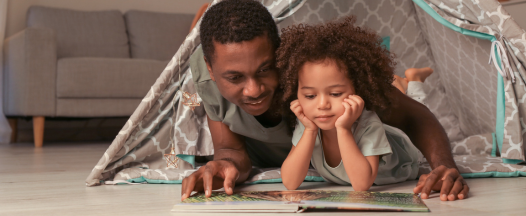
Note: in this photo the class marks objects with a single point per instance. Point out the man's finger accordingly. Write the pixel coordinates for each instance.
(465, 190)
(431, 180)
(188, 185)
(452, 196)
(208, 178)
(447, 184)
(231, 176)
(420, 184)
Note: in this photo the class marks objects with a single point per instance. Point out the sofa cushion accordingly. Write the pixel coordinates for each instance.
(83, 33)
(155, 35)
(97, 107)
(106, 77)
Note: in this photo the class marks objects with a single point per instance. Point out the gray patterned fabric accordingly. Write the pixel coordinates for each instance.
(396, 19)
(461, 94)
(472, 83)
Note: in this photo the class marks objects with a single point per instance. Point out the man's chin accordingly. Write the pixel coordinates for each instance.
(255, 109)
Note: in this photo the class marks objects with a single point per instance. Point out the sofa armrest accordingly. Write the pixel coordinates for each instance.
(30, 67)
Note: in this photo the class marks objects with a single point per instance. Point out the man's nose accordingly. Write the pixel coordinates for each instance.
(253, 88)
(323, 103)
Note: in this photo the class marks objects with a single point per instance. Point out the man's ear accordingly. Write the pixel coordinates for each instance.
(209, 67)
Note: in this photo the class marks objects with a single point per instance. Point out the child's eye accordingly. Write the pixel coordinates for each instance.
(336, 94)
(309, 96)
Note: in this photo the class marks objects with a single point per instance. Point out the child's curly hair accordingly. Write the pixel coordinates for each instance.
(356, 50)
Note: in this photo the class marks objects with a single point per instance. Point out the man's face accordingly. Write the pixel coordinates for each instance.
(245, 73)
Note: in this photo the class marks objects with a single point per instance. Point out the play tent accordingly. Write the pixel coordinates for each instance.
(480, 105)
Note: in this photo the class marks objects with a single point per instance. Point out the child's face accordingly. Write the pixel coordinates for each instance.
(322, 87)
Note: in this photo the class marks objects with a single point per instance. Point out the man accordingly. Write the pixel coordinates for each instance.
(235, 76)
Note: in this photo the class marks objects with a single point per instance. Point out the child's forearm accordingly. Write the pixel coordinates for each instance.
(357, 167)
(296, 166)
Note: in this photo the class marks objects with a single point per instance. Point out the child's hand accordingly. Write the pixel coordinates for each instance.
(353, 109)
(298, 111)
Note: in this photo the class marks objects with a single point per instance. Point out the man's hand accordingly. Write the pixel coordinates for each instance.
(429, 137)
(446, 180)
(214, 175)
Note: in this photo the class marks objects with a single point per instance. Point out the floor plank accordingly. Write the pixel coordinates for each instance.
(50, 181)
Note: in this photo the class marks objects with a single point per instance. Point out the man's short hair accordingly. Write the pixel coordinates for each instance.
(235, 21)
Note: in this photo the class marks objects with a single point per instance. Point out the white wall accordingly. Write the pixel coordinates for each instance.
(16, 12)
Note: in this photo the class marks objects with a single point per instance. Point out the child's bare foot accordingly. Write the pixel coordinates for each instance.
(400, 83)
(418, 74)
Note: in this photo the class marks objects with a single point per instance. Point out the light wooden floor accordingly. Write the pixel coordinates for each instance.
(50, 181)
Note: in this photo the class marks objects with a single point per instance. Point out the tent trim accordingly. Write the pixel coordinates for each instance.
(494, 174)
(501, 102)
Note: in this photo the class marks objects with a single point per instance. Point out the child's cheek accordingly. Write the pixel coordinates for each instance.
(308, 109)
(339, 109)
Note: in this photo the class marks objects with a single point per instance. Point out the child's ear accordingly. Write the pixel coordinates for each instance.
(209, 67)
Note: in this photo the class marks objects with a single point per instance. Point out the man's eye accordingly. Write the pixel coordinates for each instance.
(233, 78)
(309, 96)
(336, 94)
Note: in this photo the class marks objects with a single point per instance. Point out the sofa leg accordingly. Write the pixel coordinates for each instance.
(13, 122)
(38, 130)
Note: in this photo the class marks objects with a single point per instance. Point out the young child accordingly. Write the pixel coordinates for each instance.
(330, 73)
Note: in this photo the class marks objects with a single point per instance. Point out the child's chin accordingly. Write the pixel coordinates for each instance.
(326, 126)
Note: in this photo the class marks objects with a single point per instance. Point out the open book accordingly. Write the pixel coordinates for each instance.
(301, 200)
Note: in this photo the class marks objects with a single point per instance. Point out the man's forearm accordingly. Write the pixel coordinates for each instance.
(240, 160)
(428, 135)
(421, 126)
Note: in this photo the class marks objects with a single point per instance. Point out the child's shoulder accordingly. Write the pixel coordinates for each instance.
(369, 124)
(369, 118)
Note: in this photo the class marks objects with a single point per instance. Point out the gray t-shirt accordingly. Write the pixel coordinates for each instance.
(266, 147)
(399, 157)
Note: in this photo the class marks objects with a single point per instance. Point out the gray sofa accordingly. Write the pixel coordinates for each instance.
(69, 63)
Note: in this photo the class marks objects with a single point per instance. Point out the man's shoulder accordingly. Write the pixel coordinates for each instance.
(198, 66)
(214, 103)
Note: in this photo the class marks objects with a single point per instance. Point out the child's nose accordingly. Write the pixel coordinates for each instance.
(324, 104)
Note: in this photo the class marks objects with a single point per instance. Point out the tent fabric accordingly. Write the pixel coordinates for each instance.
(396, 19)
(161, 118)
(462, 92)
(490, 18)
